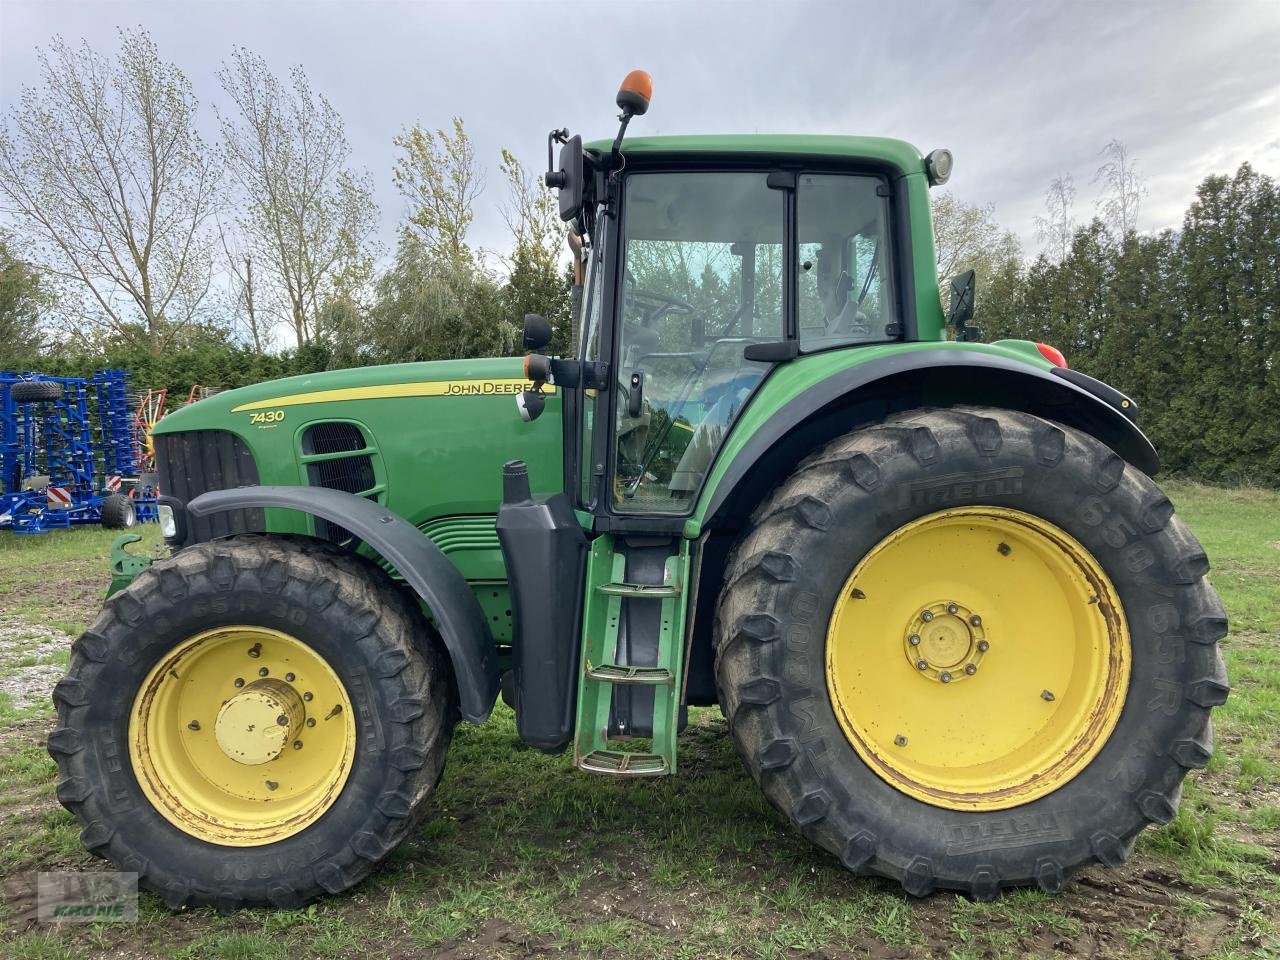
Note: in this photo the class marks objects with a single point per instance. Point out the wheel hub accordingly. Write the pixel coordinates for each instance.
(945, 641)
(249, 728)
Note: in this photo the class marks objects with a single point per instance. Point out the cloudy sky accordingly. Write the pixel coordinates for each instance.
(1020, 91)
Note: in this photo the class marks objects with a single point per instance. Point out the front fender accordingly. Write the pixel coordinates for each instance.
(943, 376)
(424, 567)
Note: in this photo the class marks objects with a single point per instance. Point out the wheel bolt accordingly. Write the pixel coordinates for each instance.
(306, 696)
(976, 620)
(283, 720)
(289, 677)
(297, 744)
(927, 616)
(311, 721)
(984, 646)
(900, 740)
(922, 664)
(945, 678)
(239, 681)
(193, 725)
(271, 784)
(255, 651)
(914, 639)
(1047, 695)
(263, 671)
(971, 669)
(952, 608)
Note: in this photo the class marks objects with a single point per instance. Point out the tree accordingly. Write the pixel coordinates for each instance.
(438, 175)
(1057, 229)
(536, 281)
(111, 186)
(242, 288)
(1122, 189)
(308, 218)
(967, 237)
(23, 303)
(429, 307)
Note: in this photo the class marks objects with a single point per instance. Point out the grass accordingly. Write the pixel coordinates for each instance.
(522, 855)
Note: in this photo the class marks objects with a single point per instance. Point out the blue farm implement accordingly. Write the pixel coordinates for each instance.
(69, 453)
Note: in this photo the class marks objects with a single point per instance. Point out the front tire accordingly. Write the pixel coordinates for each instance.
(856, 686)
(172, 773)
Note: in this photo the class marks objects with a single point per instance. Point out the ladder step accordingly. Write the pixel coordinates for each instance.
(645, 590)
(623, 763)
(618, 673)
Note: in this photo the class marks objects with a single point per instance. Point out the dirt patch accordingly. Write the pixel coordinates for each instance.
(20, 643)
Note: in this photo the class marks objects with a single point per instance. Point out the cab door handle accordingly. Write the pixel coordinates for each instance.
(635, 397)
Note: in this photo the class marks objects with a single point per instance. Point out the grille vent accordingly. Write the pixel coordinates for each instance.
(352, 474)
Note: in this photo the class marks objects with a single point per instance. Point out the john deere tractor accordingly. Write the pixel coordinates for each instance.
(959, 636)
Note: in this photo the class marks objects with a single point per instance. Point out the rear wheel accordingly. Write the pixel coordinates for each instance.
(256, 721)
(970, 649)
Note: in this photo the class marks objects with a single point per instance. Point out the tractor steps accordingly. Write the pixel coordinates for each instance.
(624, 763)
(659, 591)
(620, 673)
(606, 669)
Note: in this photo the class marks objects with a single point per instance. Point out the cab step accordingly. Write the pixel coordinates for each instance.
(623, 763)
(639, 590)
(620, 673)
(607, 673)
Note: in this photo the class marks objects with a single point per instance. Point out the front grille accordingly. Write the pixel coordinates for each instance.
(197, 461)
(349, 474)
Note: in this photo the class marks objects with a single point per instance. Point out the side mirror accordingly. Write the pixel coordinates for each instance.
(567, 178)
(537, 331)
(963, 286)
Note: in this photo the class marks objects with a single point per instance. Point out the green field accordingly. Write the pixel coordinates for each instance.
(524, 856)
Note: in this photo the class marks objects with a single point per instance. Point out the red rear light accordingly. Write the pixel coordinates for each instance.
(1052, 354)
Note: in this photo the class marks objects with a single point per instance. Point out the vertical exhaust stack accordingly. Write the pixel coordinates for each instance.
(545, 552)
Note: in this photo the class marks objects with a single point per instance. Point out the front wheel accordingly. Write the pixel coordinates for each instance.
(970, 649)
(256, 721)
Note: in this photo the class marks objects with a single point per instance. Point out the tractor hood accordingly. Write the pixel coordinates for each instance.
(425, 439)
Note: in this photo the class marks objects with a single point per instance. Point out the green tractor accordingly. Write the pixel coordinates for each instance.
(960, 638)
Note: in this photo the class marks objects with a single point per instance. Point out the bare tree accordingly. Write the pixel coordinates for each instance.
(309, 218)
(1058, 228)
(967, 237)
(238, 262)
(439, 177)
(110, 186)
(1122, 189)
(532, 215)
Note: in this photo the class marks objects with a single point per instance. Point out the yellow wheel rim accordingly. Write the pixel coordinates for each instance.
(242, 736)
(978, 658)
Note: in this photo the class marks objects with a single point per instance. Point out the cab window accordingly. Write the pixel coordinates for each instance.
(845, 271)
(702, 277)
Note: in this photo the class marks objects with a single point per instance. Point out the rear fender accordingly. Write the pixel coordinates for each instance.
(424, 567)
(867, 392)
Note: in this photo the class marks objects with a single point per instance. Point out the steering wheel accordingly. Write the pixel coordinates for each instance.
(652, 298)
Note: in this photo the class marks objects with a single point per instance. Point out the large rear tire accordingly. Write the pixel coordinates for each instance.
(970, 649)
(257, 721)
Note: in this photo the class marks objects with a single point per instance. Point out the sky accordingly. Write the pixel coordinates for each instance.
(1019, 91)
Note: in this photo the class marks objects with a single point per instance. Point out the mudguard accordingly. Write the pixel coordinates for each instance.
(929, 377)
(424, 567)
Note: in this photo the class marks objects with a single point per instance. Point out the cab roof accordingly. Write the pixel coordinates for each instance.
(898, 153)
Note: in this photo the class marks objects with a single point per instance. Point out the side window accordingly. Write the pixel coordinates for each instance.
(845, 272)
